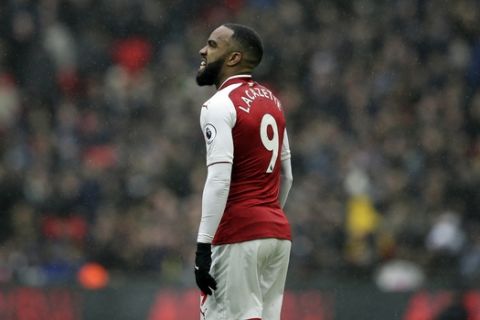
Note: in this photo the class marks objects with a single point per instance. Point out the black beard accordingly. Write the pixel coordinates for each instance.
(209, 75)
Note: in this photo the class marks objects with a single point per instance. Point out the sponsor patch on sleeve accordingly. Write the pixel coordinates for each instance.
(210, 133)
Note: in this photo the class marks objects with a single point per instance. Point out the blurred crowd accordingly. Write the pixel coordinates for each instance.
(102, 158)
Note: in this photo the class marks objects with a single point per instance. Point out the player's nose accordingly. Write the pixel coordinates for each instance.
(203, 51)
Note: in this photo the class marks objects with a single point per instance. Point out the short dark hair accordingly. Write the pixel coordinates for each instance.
(249, 41)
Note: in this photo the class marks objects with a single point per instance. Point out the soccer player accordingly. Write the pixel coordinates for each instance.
(244, 237)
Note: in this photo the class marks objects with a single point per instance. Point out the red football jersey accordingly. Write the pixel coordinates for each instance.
(257, 123)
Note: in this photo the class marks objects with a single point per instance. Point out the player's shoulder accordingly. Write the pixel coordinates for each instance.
(222, 97)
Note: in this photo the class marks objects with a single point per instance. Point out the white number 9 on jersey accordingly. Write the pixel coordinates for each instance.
(271, 144)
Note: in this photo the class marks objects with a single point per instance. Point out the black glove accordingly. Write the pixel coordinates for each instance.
(203, 261)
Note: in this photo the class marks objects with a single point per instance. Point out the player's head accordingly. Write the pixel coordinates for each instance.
(248, 42)
(231, 49)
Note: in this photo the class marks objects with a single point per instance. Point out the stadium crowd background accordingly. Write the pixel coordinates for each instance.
(102, 158)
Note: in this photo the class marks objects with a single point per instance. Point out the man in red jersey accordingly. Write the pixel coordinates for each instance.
(244, 238)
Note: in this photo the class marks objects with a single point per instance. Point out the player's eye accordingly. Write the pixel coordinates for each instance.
(212, 43)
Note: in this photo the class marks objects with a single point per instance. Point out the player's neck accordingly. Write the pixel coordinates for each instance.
(234, 79)
(227, 75)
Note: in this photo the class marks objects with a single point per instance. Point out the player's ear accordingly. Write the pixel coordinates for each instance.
(234, 58)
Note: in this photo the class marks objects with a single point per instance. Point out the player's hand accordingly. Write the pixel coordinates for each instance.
(203, 261)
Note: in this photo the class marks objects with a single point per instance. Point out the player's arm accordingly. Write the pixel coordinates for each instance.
(214, 200)
(215, 194)
(217, 120)
(286, 176)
